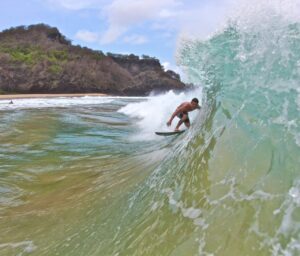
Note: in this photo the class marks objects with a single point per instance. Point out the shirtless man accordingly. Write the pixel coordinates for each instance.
(182, 113)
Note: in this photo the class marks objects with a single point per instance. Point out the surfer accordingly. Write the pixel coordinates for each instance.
(182, 113)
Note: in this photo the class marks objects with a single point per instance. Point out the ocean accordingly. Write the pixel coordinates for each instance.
(88, 176)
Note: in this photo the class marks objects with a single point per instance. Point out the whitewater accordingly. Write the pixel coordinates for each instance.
(88, 176)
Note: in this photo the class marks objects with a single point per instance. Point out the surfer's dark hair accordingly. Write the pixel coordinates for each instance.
(195, 100)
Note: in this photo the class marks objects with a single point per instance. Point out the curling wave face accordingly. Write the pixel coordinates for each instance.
(230, 186)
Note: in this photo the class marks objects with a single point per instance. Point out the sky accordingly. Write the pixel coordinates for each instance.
(141, 27)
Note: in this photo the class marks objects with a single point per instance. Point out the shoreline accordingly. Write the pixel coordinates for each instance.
(47, 95)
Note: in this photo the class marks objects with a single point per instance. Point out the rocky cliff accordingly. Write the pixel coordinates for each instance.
(39, 59)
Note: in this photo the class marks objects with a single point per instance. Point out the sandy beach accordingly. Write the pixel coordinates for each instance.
(28, 96)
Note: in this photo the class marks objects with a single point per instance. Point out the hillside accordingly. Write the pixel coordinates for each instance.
(39, 59)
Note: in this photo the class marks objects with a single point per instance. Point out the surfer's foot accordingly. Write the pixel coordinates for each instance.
(176, 130)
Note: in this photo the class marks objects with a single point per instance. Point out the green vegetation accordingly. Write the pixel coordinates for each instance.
(57, 56)
(55, 69)
(34, 55)
(19, 54)
(98, 55)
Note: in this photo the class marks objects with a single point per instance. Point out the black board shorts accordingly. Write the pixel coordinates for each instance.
(180, 116)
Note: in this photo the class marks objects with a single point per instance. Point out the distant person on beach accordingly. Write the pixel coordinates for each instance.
(182, 113)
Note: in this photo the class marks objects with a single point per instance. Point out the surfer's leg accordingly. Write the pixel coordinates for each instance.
(182, 120)
(187, 124)
(178, 125)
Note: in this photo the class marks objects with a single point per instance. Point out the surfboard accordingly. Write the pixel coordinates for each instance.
(168, 133)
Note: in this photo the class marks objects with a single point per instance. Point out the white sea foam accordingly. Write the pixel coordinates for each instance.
(27, 245)
(191, 213)
(59, 102)
(153, 114)
(257, 11)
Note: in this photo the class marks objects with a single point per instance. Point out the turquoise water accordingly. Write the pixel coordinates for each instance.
(88, 176)
(251, 70)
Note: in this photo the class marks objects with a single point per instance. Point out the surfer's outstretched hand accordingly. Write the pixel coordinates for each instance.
(169, 123)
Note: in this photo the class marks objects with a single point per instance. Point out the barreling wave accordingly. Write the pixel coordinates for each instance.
(230, 186)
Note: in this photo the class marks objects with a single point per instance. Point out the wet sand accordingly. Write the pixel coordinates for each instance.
(28, 96)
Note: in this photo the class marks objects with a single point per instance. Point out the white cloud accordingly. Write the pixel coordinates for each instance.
(167, 13)
(123, 14)
(77, 4)
(189, 17)
(87, 36)
(128, 12)
(113, 33)
(135, 39)
(204, 18)
(168, 66)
